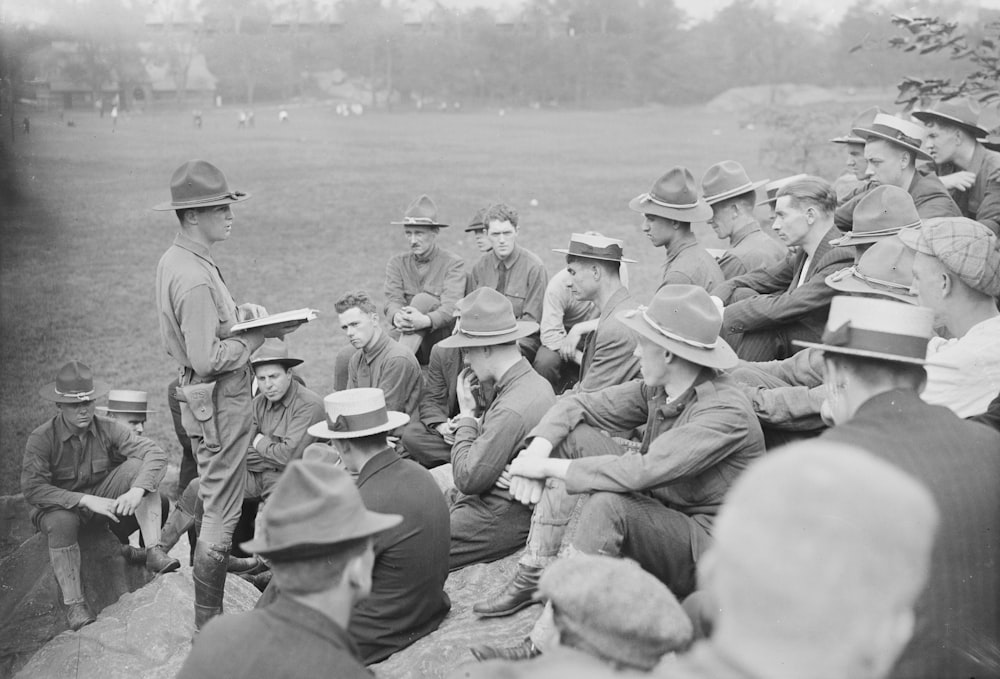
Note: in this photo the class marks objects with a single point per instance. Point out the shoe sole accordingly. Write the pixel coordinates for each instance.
(169, 568)
(507, 611)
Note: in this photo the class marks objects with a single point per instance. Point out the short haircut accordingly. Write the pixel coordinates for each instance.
(609, 267)
(877, 371)
(357, 299)
(317, 573)
(949, 127)
(813, 190)
(500, 212)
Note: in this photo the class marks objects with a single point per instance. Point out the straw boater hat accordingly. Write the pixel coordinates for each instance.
(876, 328)
(422, 212)
(882, 212)
(772, 188)
(487, 319)
(960, 111)
(885, 269)
(683, 319)
(592, 246)
(128, 402)
(674, 196)
(198, 183)
(900, 132)
(274, 350)
(74, 384)
(863, 119)
(352, 413)
(315, 506)
(476, 223)
(727, 180)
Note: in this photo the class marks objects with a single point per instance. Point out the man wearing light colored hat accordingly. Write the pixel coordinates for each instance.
(892, 148)
(129, 407)
(771, 192)
(874, 352)
(732, 196)
(668, 210)
(655, 505)
(856, 180)
(77, 466)
(196, 313)
(486, 522)
(953, 141)
(318, 536)
(423, 284)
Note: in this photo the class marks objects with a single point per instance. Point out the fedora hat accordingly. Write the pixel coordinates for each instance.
(876, 328)
(674, 196)
(126, 401)
(74, 384)
(727, 180)
(314, 507)
(274, 350)
(961, 111)
(885, 269)
(198, 183)
(476, 223)
(772, 188)
(592, 246)
(487, 319)
(683, 319)
(353, 413)
(422, 212)
(882, 212)
(896, 131)
(863, 119)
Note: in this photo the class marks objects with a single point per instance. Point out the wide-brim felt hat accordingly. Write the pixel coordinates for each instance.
(886, 269)
(876, 328)
(684, 320)
(353, 413)
(127, 401)
(863, 119)
(487, 319)
(476, 223)
(197, 184)
(882, 212)
(591, 246)
(74, 383)
(772, 188)
(992, 142)
(727, 180)
(961, 111)
(421, 212)
(674, 196)
(897, 131)
(315, 506)
(274, 350)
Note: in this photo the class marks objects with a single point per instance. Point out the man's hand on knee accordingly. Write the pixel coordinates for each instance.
(100, 505)
(125, 504)
(526, 491)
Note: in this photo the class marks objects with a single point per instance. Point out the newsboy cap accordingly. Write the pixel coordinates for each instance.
(966, 248)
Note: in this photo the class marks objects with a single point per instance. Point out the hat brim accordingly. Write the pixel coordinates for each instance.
(992, 143)
(721, 357)
(370, 524)
(105, 409)
(604, 259)
(872, 134)
(394, 421)
(422, 226)
(225, 200)
(861, 353)
(479, 227)
(287, 362)
(49, 393)
(701, 212)
(849, 239)
(847, 139)
(850, 284)
(732, 193)
(978, 132)
(460, 341)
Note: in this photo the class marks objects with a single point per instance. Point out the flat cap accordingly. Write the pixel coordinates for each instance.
(966, 248)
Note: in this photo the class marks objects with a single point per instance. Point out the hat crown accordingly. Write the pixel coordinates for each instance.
(884, 327)
(476, 222)
(686, 312)
(355, 410)
(197, 181)
(273, 349)
(75, 380)
(675, 188)
(887, 261)
(966, 248)
(127, 401)
(958, 109)
(421, 211)
(485, 312)
(885, 208)
(595, 246)
(903, 130)
(727, 178)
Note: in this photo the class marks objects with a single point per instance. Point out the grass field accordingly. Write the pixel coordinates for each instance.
(79, 243)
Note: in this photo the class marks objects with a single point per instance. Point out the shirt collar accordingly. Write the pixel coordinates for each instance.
(182, 240)
(380, 345)
(510, 261)
(672, 254)
(428, 257)
(64, 433)
(522, 367)
(740, 234)
(377, 463)
(285, 400)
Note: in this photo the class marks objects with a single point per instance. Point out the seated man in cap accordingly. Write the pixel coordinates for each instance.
(892, 147)
(952, 140)
(378, 360)
(655, 505)
(128, 407)
(423, 284)
(486, 523)
(732, 197)
(318, 538)
(478, 230)
(428, 437)
(766, 309)
(874, 358)
(820, 553)
(668, 211)
(514, 272)
(607, 614)
(77, 466)
(563, 327)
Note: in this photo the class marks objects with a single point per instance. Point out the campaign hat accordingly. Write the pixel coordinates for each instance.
(74, 383)
(885, 269)
(961, 111)
(274, 350)
(315, 506)
(727, 180)
(897, 131)
(127, 401)
(477, 223)
(674, 196)
(684, 320)
(863, 119)
(593, 246)
(772, 188)
(486, 319)
(198, 183)
(882, 212)
(352, 413)
(421, 212)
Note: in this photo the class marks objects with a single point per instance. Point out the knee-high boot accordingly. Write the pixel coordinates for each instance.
(210, 561)
(157, 559)
(66, 565)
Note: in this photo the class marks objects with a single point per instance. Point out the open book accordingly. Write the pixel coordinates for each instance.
(276, 319)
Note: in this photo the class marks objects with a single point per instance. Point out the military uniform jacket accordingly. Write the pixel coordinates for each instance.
(283, 427)
(750, 249)
(440, 274)
(388, 366)
(690, 264)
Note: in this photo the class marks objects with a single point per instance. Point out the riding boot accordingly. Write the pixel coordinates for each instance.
(519, 593)
(210, 561)
(66, 566)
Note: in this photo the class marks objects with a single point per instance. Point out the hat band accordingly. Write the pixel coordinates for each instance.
(81, 395)
(673, 335)
(848, 337)
(676, 206)
(487, 333)
(898, 135)
(613, 251)
(204, 199)
(358, 421)
(879, 283)
(418, 220)
(127, 406)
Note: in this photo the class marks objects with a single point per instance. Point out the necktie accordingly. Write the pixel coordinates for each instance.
(502, 279)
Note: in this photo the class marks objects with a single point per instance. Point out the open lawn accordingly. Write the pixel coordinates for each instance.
(79, 243)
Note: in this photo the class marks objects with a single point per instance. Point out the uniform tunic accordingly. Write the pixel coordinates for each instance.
(390, 367)
(750, 249)
(690, 264)
(440, 274)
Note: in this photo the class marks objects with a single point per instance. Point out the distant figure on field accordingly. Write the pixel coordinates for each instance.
(241, 120)
(196, 117)
(26, 124)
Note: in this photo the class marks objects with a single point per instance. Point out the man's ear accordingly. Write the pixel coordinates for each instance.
(947, 284)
